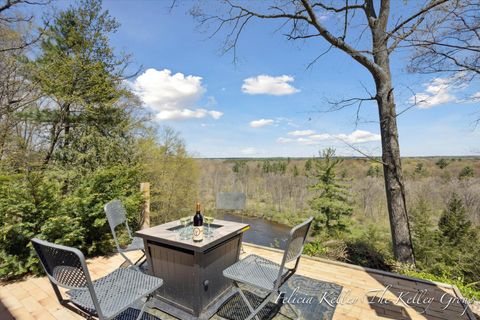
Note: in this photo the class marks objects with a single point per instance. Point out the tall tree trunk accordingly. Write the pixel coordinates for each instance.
(392, 166)
(392, 171)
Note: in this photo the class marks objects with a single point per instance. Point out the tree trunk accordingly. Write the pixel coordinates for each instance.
(392, 166)
(394, 186)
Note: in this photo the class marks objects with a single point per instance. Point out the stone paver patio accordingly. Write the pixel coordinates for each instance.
(366, 294)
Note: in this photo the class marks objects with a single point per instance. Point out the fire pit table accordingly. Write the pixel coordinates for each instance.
(194, 286)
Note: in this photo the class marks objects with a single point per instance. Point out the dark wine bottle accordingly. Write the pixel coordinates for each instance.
(198, 225)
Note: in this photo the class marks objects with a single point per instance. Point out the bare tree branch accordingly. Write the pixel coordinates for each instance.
(432, 4)
(366, 155)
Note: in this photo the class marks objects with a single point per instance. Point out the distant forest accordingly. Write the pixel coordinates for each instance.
(277, 188)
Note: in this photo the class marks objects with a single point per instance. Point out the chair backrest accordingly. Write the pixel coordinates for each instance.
(294, 246)
(230, 201)
(65, 267)
(116, 215)
(298, 234)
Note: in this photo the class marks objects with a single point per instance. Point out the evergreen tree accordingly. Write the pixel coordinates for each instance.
(87, 107)
(423, 234)
(453, 224)
(330, 204)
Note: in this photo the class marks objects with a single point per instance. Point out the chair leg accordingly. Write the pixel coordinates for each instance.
(250, 308)
(253, 312)
(242, 251)
(260, 307)
(127, 259)
(142, 310)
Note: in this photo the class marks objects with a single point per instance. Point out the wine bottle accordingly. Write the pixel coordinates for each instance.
(198, 225)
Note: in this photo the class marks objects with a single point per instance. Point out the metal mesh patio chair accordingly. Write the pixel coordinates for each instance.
(116, 216)
(104, 298)
(267, 275)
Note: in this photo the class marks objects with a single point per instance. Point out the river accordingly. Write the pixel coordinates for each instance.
(262, 232)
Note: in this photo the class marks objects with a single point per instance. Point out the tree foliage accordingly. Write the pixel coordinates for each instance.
(34, 205)
(448, 249)
(466, 172)
(453, 224)
(331, 201)
(173, 175)
(442, 163)
(86, 112)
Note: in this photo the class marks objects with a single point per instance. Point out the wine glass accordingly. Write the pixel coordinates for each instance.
(209, 220)
(184, 222)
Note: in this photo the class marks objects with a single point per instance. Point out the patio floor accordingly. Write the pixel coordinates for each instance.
(366, 294)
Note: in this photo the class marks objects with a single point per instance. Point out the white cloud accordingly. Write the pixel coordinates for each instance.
(264, 84)
(357, 136)
(476, 96)
(437, 92)
(261, 123)
(215, 114)
(306, 141)
(186, 114)
(284, 140)
(248, 151)
(321, 137)
(300, 133)
(172, 96)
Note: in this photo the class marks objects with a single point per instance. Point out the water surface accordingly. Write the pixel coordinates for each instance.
(262, 232)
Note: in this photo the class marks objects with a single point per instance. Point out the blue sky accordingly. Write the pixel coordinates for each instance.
(269, 103)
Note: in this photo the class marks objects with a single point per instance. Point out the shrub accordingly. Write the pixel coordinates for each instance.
(466, 289)
(374, 171)
(35, 205)
(450, 251)
(333, 249)
(365, 254)
(442, 163)
(466, 172)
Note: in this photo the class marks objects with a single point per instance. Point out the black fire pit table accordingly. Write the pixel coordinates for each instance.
(193, 284)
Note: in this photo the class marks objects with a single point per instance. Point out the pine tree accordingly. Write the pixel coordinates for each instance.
(453, 224)
(87, 105)
(423, 233)
(330, 204)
